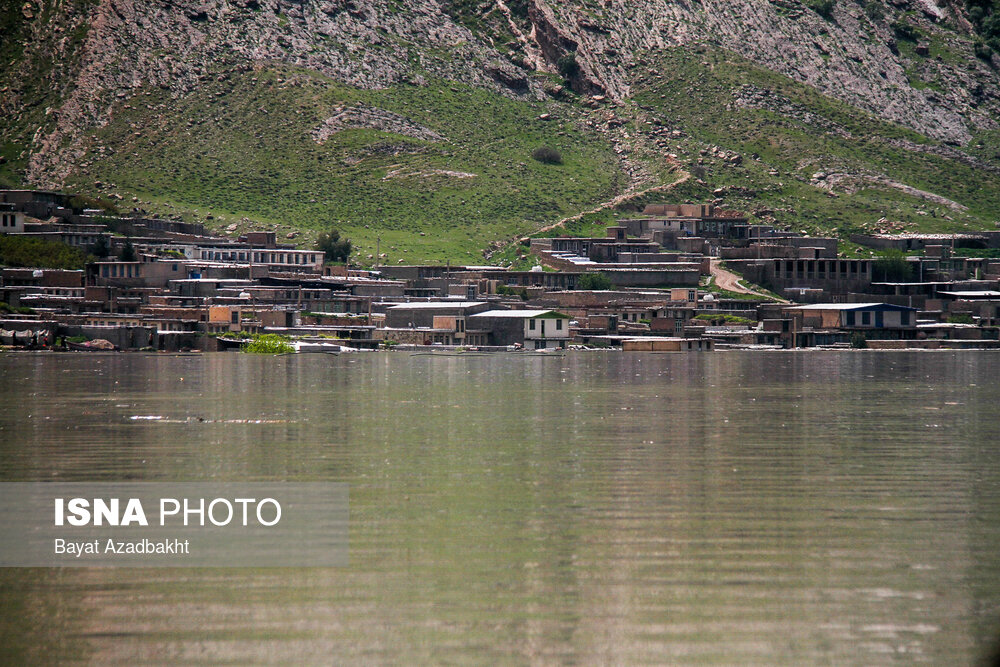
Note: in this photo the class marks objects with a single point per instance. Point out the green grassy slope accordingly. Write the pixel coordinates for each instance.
(47, 80)
(244, 147)
(803, 133)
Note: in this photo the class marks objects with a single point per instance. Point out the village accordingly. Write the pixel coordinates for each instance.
(675, 278)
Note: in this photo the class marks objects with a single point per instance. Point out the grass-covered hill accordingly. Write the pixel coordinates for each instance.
(439, 170)
(416, 123)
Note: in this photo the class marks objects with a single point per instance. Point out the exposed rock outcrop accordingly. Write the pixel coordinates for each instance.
(89, 54)
(365, 117)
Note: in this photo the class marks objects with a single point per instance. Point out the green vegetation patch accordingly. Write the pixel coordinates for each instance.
(723, 319)
(268, 344)
(18, 251)
(787, 132)
(6, 309)
(33, 73)
(438, 171)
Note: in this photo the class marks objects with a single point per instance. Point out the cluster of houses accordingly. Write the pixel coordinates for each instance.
(169, 285)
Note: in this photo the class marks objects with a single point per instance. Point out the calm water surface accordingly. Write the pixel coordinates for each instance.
(595, 508)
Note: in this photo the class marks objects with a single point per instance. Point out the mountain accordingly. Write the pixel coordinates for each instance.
(416, 121)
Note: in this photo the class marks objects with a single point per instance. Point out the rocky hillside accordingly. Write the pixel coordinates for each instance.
(417, 120)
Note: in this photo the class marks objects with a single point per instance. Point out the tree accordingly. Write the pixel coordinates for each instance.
(568, 66)
(128, 253)
(336, 248)
(100, 248)
(594, 281)
(892, 267)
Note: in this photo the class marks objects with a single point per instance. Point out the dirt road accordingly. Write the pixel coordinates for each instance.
(728, 280)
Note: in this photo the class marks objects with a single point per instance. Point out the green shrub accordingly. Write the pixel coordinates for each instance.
(594, 281)
(892, 267)
(858, 341)
(336, 248)
(20, 310)
(983, 51)
(822, 7)
(568, 66)
(874, 11)
(268, 344)
(961, 318)
(547, 155)
(80, 202)
(722, 319)
(507, 290)
(905, 31)
(36, 253)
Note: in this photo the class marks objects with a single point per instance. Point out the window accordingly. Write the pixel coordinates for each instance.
(866, 318)
(531, 325)
(558, 325)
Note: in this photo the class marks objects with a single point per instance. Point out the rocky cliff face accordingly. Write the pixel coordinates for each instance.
(851, 54)
(76, 58)
(176, 45)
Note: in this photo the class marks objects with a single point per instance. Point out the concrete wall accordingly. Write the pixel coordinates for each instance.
(654, 344)
(11, 222)
(403, 317)
(755, 251)
(544, 327)
(653, 277)
(42, 277)
(837, 276)
(124, 338)
(989, 239)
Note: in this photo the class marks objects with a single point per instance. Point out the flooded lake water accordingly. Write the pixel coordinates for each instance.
(729, 508)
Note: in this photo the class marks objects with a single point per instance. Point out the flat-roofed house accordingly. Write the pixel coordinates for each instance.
(534, 329)
(11, 221)
(872, 317)
(423, 313)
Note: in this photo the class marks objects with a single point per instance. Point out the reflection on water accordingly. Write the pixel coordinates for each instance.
(718, 509)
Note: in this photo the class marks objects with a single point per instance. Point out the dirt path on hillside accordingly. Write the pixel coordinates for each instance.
(728, 280)
(615, 201)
